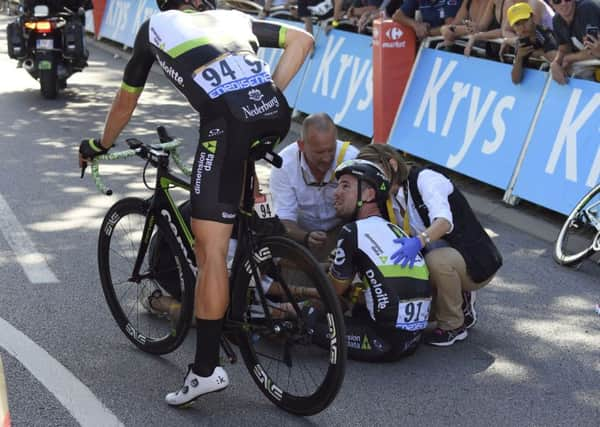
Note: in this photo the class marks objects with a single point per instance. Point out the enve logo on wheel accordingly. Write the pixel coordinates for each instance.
(269, 385)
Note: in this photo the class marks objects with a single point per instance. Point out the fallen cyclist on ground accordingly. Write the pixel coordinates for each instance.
(388, 326)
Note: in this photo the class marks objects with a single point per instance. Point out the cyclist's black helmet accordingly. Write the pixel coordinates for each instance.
(173, 4)
(366, 171)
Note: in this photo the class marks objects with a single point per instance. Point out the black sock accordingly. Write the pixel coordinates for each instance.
(208, 341)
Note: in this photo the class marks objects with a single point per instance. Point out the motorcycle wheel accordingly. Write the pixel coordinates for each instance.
(49, 83)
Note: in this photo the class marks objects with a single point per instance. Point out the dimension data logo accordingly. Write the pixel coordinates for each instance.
(171, 72)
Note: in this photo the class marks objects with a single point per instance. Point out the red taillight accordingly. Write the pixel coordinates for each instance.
(39, 26)
(43, 26)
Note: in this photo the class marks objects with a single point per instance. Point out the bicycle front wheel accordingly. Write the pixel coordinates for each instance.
(127, 291)
(579, 236)
(296, 368)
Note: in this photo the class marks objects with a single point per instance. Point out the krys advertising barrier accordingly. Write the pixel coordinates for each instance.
(466, 114)
(562, 161)
(339, 80)
(122, 19)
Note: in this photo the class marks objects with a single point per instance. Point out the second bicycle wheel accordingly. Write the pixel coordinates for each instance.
(156, 328)
(298, 369)
(579, 236)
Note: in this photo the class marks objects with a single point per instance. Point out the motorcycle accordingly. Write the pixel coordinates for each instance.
(49, 47)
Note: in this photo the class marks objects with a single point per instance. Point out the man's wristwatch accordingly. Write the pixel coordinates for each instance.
(425, 237)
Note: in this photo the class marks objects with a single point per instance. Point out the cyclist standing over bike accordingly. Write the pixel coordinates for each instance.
(209, 56)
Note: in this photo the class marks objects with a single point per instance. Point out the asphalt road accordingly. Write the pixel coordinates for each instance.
(532, 360)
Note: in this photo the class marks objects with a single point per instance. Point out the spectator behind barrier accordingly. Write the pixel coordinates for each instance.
(359, 12)
(269, 4)
(489, 26)
(533, 40)
(303, 187)
(468, 20)
(574, 23)
(460, 256)
(309, 9)
(542, 15)
(433, 15)
(497, 25)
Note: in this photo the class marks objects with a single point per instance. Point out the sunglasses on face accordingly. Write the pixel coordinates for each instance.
(560, 1)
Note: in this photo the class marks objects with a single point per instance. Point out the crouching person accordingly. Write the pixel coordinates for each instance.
(397, 300)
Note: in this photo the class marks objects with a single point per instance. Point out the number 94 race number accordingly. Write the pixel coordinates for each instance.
(232, 73)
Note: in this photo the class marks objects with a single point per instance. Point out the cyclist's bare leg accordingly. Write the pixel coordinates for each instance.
(212, 291)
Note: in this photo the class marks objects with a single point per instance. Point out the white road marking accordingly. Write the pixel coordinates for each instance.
(81, 403)
(33, 263)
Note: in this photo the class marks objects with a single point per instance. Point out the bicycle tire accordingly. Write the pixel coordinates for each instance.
(118, 245)
(288, 263)
(578, 227)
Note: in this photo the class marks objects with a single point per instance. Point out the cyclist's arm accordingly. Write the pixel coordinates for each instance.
(134, 79)
(343, 262)
(294, 231)
(296, 43)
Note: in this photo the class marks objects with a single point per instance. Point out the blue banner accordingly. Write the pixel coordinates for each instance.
(562, 162)
(272, 56)
(123, 18)
(466, 114)
(339, 80)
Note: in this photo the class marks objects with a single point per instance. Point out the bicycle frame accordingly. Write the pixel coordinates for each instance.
(162, 205)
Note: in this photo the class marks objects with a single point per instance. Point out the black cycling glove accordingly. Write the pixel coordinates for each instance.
(90, 148)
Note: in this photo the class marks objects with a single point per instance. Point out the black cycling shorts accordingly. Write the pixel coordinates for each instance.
(368, 341)
(230, 126)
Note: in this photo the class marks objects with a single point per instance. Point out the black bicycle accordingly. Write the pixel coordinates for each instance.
(275, 286)
(579, 237)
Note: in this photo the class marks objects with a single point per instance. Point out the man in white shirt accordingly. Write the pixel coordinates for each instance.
(303, 187)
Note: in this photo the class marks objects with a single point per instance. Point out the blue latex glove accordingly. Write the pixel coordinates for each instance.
(408, 252)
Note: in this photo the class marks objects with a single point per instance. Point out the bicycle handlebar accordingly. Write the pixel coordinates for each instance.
(144, 151)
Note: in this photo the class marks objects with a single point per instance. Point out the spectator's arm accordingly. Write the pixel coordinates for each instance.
(592, 45)
(435, 31)
(460, 15)
(266, 10)
(294, 231)
(550, 55)
(581, 55)
(521, 56)
(358, 12)
(556, 66)
(337, 9)
(421, 28)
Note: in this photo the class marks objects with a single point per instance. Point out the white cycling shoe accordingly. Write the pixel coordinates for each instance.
(195, 386)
